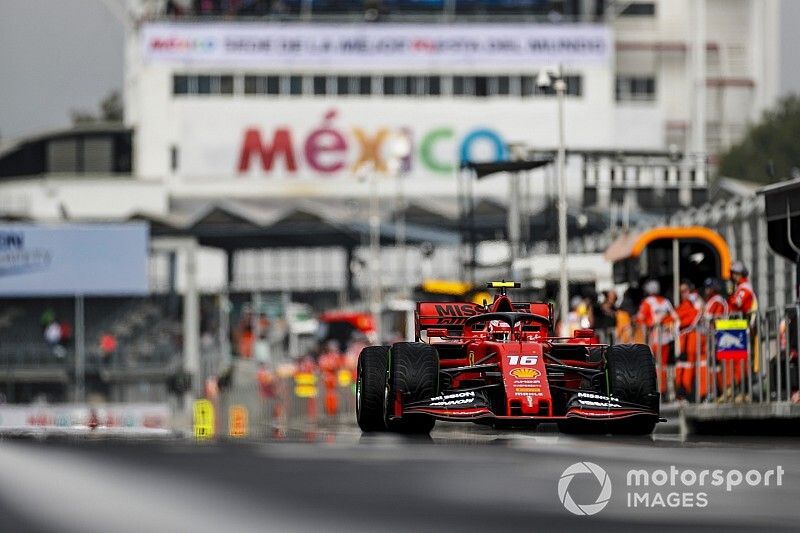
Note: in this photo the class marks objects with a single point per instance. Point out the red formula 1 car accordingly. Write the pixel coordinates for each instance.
(499, 364)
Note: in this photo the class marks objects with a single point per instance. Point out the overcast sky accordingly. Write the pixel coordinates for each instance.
(60, 55)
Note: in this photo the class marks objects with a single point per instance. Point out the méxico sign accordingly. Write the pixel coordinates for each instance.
(367, 47)
(330, 148)
(318, 140)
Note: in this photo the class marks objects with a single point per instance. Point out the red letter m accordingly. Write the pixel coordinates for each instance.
(281, 144)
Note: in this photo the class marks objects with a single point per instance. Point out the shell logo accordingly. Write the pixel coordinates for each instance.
(525, 373)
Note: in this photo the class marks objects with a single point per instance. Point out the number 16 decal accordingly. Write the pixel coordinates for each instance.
(527, 360)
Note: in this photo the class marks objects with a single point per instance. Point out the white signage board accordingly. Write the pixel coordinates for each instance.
(365, 47)
(68, 415)
(73, 259)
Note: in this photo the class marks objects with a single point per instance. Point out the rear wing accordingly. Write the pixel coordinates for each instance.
(447, 315)
(452, 315)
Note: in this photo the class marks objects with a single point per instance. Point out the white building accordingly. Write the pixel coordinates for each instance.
(267, 111)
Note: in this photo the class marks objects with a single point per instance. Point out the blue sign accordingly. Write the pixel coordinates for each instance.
(73, 259)
(731, 339)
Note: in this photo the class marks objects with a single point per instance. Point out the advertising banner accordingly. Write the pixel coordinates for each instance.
(731, 339)
(334, 142)
(367, 47)
(127, 415)
(73, 259)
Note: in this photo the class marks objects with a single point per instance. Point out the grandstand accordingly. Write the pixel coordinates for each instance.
(148, 352)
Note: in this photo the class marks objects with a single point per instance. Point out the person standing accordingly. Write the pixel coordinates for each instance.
(604, 315)
(743, 302)
(52, 336)
(657, 314)
(108, 348)
(716, 307)
(690, 311)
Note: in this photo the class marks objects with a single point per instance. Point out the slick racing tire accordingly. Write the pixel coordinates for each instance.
(414, 374)
(631, 374)
(373, 363)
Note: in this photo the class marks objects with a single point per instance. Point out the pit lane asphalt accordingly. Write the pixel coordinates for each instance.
(462, 478)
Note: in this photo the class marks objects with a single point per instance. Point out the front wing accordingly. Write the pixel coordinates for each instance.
(473, 405)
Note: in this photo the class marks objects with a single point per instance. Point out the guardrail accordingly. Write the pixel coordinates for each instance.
(32, 355)
(277, 403)
(728, 360)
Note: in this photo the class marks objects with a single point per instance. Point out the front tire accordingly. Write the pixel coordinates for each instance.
(373, 362)
(415, 376)
(631, 377)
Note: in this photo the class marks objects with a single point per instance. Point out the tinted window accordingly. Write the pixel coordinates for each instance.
(320, 85)
(390, 85)
(342, 85)
(180, 85)
(434, 85)
(204, 84)
(364, 85)
(273, 85)
(226, 85)
(459, 85)
(295, 85)
(503, 85)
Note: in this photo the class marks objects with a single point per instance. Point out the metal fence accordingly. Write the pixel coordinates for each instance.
(697, 364)
(276, 406)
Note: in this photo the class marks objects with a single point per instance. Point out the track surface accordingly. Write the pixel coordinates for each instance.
(462, 478)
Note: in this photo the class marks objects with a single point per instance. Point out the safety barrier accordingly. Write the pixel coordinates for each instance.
(727, 360)
(279, 403)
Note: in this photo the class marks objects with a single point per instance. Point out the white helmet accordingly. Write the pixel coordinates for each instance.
(738, 268)
(652, 287)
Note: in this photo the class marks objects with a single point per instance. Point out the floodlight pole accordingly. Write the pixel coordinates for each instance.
(563, 296)
(375, 252)
(80, 349)
(400, 234)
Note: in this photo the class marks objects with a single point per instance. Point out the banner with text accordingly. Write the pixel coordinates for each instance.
(73, 259)
(370, 46)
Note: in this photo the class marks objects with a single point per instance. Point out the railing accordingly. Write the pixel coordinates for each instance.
(37, 355)
(40, 356)
(778, 352)
(705, 364)
(286, 402)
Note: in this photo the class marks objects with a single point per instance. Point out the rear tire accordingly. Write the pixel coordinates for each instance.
(373, 362)
(415, 375)
(631, 374)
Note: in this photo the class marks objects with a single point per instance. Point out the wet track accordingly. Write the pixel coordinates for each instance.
(462, 478)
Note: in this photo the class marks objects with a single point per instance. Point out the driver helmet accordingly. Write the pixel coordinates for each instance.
(500, 330)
